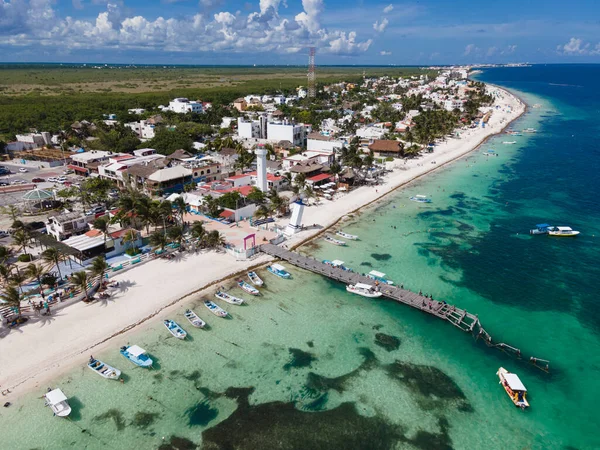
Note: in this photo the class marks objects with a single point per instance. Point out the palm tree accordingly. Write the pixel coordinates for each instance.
(12, 297)
(180, 208)
(214, 239)
(102, 224)
(158, 239)
(300, 181)
(145, 212)
(80, 280)
(6, 271)
(261, 212)
(197, 230)
(99, 267)
(17, 279)
(175, 234)
(309, 192)
(36, 272)
(21, 239)
(129, 237)
(52, 256)
(5, 253)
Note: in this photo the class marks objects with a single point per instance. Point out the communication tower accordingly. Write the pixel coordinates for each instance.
(312, 91)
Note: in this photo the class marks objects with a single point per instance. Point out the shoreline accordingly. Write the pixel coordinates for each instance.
(222, 268)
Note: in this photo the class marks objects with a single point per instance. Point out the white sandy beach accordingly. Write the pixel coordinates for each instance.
(37, 351)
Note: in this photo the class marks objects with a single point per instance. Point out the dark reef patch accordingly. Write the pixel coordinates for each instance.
(426, 380)
(386, 341)
(112, 414)
(299, 358)
(366, 263)
(144, 419)
(178, 443)
(193, 376)
(201, 414)
(311, 344)
(158, 377)
(381, 256)
(433, 441)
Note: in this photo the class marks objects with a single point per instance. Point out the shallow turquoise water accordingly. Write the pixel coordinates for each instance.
(332, 370)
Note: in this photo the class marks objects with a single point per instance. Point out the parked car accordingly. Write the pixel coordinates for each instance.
(4, 183)
(94, 210)
(23, 170)
(37, 180)
(53, 180)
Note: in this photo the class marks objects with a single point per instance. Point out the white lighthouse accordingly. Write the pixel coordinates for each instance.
(261, 169)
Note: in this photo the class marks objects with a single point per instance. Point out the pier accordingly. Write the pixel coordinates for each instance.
(460, 318)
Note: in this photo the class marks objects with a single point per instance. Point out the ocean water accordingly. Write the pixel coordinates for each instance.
(307, 365)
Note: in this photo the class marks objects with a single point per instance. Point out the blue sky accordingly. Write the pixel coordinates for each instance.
(279, 31)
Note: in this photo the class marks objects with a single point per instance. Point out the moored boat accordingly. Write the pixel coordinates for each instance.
(509, 142)
(193, 318)
(366, 290)
(352, 237)
(103, 369)
(379, 276)
(248, 288)
(337, 264)
(529, 130)
(334, 241)
(514, 387)
(562, 232)
(540, 228)
(420, 199)
(279, 270)
(229, 298)
(215, 309)
(136, 355)
(175, 329)
(255, 279)
(57, 401)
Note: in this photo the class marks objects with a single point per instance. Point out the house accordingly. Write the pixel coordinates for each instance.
(80, 161)
(168, 180)
(308, 168)
(370, 132)
(93, 243)
(227, 158)
(284, 130)
(383, 148)
(240, 104)
(144, 129)
(137, 111)
(66, 225)
(116, 167)
(182, 105)
(323, 143)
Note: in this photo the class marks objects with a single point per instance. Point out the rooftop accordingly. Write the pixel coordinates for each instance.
(384, 145)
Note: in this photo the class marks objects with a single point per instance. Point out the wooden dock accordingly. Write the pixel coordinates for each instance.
(458, 317)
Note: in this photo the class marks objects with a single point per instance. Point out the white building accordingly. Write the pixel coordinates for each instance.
(183, 105)
(35, 139)
(249, 129)
(285, 131)
(66, 225)
(370, 132)
(323, 143)
(452, 104)
(143, 128)
(137, 111)
(261, 168)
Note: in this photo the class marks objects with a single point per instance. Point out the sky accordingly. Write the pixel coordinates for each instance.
(281, 31)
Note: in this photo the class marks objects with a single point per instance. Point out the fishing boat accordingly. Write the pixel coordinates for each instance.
(562, 232)
(379, 276)
(248, 288)
(279, 270)
(337, 264)
(215, 309)
(509, 142)
(57, 401)
(175, 329)
(193, 318)
(514, 387)
(540, 228)
(255, 279)
(366, 290)
(136, 355)
(420, 199)
(529, 130)
(229, 298)
(352, 237)
(334, 241)
(103, 369)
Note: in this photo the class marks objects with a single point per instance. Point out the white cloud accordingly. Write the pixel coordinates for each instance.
(469, 49)
(509, 50)
(388, 9)
(384, 53)
(34, 23)
(577, 46)
(379, 27)
(491, 51)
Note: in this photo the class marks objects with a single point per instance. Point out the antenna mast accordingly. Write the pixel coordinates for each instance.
(312, 91)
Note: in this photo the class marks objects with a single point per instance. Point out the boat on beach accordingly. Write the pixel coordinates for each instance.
(136, 355)
(248, 288)
(540, 228)
(352, 237)
(379, 276)
(366, 290)
(420, 199)
(514, 388)
(337, 264)
(193, 318)
(175, 329)
(229, 298)
(215, 309)
(562, 232)
(279, 270)
(57, 401)
(334, 241)
(255, 279)
(103, 369)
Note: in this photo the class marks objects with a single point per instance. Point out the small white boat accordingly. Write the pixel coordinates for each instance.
(136, 355)
(103, 369)
(337, 264)
(255, 279)
(366, 290)
(229, 298)
(379, 276)
(420, 199)
(215, 309)
(175, 329)
(248, 288)
(334, 241)
(509, 142)
(514, 388)
(562, 232)
(540, 228)
(529, 130)
(57, 401)
(352, 237)
(193, 318)
(279, 270)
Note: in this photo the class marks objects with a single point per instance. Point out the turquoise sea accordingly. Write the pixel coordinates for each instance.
(309, 366)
